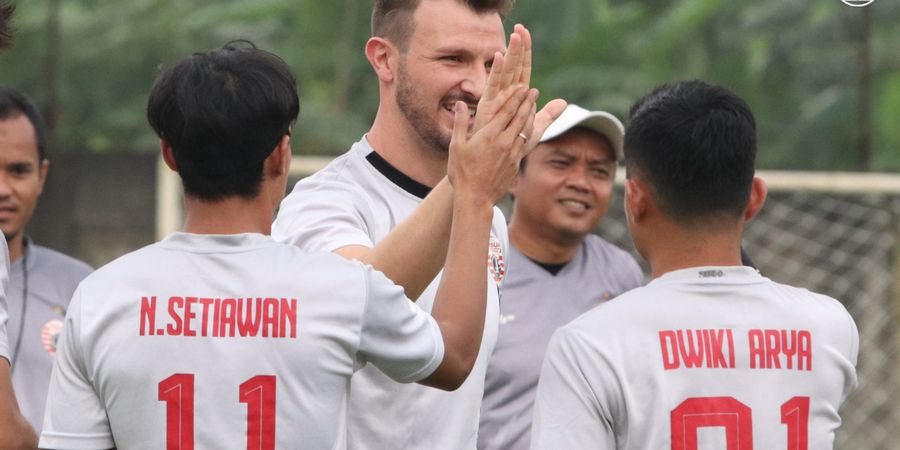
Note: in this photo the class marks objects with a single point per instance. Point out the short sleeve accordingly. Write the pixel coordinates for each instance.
(566, 413)
(322, 214)
(398, 337)
(74, 416)
(4, 285)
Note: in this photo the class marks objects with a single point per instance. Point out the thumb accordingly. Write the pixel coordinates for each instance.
(550, 112)
(460, 123)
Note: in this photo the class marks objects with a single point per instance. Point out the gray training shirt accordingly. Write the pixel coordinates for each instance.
(535, 303)
(52, 278)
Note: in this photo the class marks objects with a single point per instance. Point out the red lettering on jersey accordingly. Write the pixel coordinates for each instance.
(757, 351)
(804, 350)
(270, 317)
(773, 349)
(288, 317)
(248, 322)
(205, 314)
(174, 329)
(692, 353)
(216, 312)
(717, 355)
(148, 315)
(768, 347)
(189, 316)
(669, 349)
(730, 348)
(697, 348)
(226, 327)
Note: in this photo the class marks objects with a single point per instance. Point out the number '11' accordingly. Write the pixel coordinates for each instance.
(257, 392)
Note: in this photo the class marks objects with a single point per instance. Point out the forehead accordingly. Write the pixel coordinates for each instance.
(579, 142)
(450, 24)
(17, 138)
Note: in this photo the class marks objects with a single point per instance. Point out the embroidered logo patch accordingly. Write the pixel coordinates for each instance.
(495, 263)
(50, 335)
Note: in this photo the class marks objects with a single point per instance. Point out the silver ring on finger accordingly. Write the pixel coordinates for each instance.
(524, 138)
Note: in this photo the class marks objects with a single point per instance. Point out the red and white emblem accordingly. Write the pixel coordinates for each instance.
(495, 263)
(50, 335)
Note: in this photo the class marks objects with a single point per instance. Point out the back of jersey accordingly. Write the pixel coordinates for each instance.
(714, 357)
(217, 342)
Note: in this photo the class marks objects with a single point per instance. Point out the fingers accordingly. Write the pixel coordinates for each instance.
(492, 87)
(513, 61)
(550, 112)
(525, 76)
(460, 123)
(501, 120)
(529, 131)
(520, 122)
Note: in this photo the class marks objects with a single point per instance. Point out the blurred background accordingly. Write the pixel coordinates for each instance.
(822, 77)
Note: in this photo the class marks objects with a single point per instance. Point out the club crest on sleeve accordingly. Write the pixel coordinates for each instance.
(50, 335)
(495, 263)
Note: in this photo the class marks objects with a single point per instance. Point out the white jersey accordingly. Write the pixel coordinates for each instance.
(699, 358)
(357, 200)
(4, 284)
(227, 341)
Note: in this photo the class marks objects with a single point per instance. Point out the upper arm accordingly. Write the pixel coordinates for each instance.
(567, 411)
(398, 337)
(75, 416)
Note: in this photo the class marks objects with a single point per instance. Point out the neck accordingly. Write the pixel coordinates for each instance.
(539, 247)
(16, 246)
(232, 215)
(394, 139)
(679, 249)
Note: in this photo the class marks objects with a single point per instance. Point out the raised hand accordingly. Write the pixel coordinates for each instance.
(482, 167)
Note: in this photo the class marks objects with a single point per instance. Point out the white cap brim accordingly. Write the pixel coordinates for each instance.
(599, 121)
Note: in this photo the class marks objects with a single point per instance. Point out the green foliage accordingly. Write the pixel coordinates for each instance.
(795, 62)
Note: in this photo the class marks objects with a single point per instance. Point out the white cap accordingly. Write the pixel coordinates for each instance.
(599, 121)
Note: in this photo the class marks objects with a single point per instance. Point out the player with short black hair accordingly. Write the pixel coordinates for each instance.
(709, 352)
(214, 140)
(163, 346)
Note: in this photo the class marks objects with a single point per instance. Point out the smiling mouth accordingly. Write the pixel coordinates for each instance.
(472, 109)
(575, 205)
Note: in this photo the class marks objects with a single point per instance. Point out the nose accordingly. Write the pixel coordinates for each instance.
(5, 188)
(577, 178)
(474, 80)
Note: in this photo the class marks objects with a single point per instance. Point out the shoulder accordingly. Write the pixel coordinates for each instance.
(607, 250)
(53, 261)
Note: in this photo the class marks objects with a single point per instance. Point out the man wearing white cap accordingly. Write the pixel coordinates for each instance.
(557, 268)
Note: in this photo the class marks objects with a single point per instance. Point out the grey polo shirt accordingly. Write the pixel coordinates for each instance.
(535, 303)
(52, 278)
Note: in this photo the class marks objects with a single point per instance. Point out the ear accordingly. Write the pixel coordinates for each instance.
(168, 154)
(636, 200)
(278, 163)
(42, 175)
(382, 56)
(758, 193)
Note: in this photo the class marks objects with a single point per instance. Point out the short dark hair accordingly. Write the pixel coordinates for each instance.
(223, 112)
(6, 12)
(392, 19)
(695, 144)
(14, 104)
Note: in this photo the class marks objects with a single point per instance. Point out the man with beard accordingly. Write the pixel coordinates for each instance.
(387, 201)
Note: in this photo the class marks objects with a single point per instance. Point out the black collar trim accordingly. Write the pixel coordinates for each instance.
(396, 176)
(554, 269)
